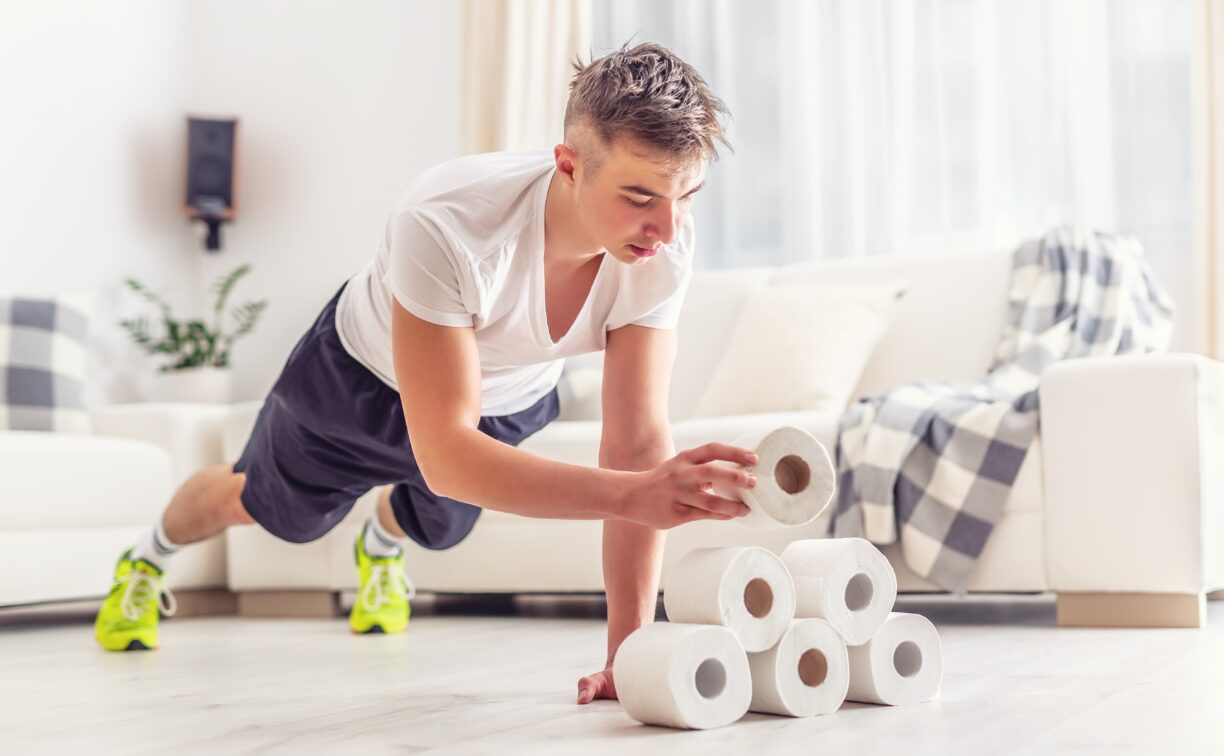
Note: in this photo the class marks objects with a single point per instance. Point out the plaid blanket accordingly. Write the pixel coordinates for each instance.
(940, 459)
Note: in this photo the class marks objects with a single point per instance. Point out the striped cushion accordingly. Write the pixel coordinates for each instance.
(42, 365)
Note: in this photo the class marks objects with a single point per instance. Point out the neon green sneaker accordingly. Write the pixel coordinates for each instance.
(382, 602)
(128, 618)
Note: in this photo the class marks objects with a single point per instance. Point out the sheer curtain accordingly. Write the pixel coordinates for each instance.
(518, 59)
(868, 127)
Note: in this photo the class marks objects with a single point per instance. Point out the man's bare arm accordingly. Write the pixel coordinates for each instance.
(437, 369)
(636, 435)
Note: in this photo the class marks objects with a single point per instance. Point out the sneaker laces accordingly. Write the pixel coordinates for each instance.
(141, 588)
(384, 585)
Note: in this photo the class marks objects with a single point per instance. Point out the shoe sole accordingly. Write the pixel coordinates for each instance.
(377, 630)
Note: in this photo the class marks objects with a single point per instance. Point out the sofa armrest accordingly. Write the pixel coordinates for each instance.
(1131, 448)
(191, 433)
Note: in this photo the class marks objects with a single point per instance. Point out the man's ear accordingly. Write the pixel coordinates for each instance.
(568, 163)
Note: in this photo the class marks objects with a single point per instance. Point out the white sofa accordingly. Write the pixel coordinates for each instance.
(71, 503)
(1117, 506)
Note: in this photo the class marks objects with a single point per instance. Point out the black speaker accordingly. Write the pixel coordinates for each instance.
(211, 163)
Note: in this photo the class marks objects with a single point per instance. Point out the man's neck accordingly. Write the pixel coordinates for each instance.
(566, 247)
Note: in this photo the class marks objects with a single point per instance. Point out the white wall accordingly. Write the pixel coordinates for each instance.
(91, 156)
(340, 105)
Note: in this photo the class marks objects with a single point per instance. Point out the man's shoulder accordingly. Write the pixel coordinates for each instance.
(472, 179)
(477, 202)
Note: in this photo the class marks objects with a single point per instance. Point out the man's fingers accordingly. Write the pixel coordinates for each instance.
(599, 685)
(609, 688)
(685, 515)
(714, 450)
(714, 472)
(712, 504)
(692, 514)
(590, 688)
(586, 690)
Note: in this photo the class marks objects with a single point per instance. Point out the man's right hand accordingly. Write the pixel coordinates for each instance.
(677, 491)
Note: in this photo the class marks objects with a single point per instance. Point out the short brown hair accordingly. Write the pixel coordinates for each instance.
(649, 93)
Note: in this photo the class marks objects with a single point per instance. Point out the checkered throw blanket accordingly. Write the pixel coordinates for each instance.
(940, 459)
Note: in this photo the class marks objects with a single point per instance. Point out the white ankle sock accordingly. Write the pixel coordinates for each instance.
(155, 547)
(380, 543)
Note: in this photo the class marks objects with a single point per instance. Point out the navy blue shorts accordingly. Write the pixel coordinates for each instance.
(330, 430)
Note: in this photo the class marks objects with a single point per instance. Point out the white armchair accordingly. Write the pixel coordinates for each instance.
(84, 498)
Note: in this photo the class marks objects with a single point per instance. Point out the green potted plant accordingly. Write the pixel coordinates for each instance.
(196, 353)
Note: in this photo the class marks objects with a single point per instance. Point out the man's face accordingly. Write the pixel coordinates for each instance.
(635, 202)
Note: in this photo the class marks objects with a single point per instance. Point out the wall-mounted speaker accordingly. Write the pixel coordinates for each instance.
(211, 171)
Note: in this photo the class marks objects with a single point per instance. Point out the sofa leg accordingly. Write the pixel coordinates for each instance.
(289, 604)
(205, 602)
(1132, 610)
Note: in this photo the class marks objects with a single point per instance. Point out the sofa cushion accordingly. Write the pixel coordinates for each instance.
(945, 328)
(711, 306)
(798, 348)
(42, 365)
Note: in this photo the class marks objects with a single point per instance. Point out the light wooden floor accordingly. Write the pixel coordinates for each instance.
(460, 682)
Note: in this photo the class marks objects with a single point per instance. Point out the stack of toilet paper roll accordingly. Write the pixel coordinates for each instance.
(794, 635)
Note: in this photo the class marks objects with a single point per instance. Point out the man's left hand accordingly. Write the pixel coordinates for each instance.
(598, 685)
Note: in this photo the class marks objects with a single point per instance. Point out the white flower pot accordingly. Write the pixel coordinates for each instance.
(206, 385)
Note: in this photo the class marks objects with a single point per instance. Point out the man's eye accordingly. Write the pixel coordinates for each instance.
(638, 204)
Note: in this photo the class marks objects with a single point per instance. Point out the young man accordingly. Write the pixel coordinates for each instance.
(432, 364)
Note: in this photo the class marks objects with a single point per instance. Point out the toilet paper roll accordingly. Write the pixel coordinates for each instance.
(679, 675)
(795, 479)
(744, 588)
(901, 664)
(806, 673)
(846, 581)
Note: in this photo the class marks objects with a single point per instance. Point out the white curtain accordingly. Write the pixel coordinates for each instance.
(867, 127)
(518, 60)
(1209, 185)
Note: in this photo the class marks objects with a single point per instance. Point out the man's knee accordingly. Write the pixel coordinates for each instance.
(449, 538)
(431, 521)
(235, 512)
(449, 533)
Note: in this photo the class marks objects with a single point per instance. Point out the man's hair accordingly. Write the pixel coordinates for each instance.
(647, 92)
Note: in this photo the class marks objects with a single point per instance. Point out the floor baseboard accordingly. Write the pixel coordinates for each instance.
(1132, 610)
(300, 604)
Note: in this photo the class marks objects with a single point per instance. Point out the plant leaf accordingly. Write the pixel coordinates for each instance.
(245, 317)
(148, 294)
(223, 287)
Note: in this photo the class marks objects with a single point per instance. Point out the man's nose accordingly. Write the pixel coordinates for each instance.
(663, 225)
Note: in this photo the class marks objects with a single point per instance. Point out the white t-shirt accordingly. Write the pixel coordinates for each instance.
(464, 247)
